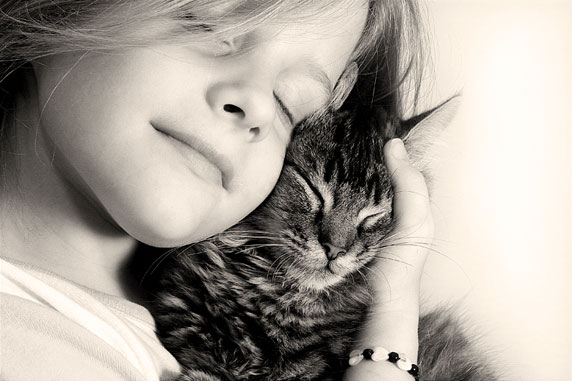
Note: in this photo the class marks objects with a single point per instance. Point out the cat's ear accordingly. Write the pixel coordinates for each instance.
(422, 132)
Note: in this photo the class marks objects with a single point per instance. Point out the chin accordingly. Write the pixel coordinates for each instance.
(164, 238)
(166, 230)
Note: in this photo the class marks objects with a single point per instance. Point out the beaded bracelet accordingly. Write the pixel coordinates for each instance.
(382, 354)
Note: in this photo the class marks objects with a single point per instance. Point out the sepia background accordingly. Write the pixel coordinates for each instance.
(503, 201)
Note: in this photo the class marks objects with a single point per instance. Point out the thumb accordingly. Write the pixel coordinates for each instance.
(411, 207)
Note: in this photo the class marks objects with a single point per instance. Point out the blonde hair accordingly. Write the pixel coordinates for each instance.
(388, 53)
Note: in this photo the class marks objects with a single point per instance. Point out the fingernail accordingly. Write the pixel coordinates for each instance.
(397, 149)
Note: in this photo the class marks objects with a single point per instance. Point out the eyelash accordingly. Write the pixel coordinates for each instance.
(284, 109)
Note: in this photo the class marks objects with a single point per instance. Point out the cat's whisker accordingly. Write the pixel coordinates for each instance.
(400, 244)
(366, 281)
(276, 265)
(378, 257)
(434, 239)
(420, 239)
(279, 258)
(254, 233)
(249, 234)
(175, 252)
(285, 259)
(280, 261)
(411, 192)
(262, 245)
(262, 237)
(432, 250)
(248, 237)
(410, 234)
(289, 237)
(266, 241)
(352, 276)
(155, 265)
(241, 230)
(379, 271)
(399, 238)
(360, 272)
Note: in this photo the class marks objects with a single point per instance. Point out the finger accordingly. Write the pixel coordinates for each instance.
(407, 246)
(411, 207)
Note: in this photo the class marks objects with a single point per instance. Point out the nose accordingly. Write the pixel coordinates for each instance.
(245, 106)
(333, 252)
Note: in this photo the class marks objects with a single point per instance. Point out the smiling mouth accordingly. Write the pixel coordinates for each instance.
(204, 161)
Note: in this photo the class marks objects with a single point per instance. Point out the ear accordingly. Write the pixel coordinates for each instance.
(422, 132)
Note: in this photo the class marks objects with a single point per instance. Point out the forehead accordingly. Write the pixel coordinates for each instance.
(325, 35)
(330, 31)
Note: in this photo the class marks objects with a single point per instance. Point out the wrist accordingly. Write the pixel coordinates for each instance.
(375, 371)
(396, 330)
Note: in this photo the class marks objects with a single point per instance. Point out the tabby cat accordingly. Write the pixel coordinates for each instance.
(281, 295)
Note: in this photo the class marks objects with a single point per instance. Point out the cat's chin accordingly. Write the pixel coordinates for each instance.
(319, 275)
(320, 280)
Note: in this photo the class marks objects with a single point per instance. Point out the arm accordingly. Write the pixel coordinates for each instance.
(393, 319)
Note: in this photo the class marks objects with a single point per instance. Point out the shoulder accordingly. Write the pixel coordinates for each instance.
(53, 330)
(42, 344)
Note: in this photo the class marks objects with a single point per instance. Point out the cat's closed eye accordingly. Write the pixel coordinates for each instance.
(370, 221)
(370, 218)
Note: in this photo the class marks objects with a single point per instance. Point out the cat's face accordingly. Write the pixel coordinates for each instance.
(331, 208)
(330, 213)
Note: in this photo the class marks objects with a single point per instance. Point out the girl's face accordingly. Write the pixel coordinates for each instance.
(176, 143)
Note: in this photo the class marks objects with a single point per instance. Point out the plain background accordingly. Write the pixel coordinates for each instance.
(503, 200)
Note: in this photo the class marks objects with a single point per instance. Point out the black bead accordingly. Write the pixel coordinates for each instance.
(367, 353)
(414, 371)
(393, 357)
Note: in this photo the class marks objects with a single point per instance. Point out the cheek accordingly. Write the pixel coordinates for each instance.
(259, 172)
(115, 159)
(194, 211)
(256, 175)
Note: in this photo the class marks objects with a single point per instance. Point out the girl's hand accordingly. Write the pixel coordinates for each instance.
(400, 269)
(394, 317)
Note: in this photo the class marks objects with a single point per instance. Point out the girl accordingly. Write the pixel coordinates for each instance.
(163, 123)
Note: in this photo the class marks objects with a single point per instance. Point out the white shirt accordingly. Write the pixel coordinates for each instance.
(53, 329)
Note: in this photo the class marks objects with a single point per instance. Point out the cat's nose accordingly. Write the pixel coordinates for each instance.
(332, 252)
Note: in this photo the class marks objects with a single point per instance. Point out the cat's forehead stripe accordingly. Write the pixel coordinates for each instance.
(326, 195)
(312, 196)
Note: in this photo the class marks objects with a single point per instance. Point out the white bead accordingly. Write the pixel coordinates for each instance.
(379, 354)
(354, 360)
(404, 363)
(356, 352)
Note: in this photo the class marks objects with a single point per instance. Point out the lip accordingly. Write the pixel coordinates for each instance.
(203, 149)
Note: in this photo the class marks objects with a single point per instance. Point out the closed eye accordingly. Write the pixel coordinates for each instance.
(370, 221)
(308, 186)
(284, 109)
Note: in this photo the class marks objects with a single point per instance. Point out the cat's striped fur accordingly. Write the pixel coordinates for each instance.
(281, 295)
